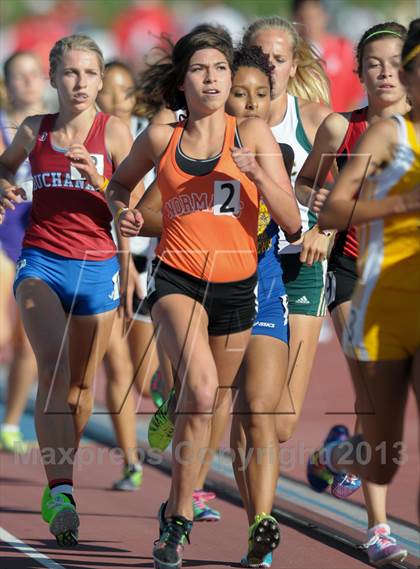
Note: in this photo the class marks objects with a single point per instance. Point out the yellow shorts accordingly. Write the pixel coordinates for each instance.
(384, 323)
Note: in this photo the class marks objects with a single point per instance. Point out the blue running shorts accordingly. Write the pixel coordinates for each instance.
(84, 287)
(272, 312)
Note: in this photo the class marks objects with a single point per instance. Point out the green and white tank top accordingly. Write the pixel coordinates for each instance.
(295, 146)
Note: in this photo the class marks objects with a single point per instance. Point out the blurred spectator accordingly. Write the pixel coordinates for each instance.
(215, 12)
(139, 27)
(336, 51)
(46, 23)
(24, 82)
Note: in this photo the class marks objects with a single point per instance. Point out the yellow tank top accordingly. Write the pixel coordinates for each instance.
(390, 248)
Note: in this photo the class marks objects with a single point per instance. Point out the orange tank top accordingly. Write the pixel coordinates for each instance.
(209, 222)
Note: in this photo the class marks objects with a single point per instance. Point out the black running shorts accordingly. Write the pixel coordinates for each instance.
(341, 280)
(231, 306)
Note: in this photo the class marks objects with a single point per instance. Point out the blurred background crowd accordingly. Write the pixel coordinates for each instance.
(127, 29)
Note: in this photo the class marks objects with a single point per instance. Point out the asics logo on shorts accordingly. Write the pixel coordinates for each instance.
(19, 266)
(265, 324)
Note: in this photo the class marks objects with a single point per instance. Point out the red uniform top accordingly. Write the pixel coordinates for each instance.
(69, 217)
(210, 221)
(346, 241)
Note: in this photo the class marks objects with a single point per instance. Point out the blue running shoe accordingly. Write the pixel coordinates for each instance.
(319, 475)
(263, 538)
(266, 561)
(345, 484)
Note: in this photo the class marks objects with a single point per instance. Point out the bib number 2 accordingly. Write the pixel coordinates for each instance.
(227, 197)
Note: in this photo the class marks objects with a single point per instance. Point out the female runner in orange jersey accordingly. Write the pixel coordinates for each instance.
(201, 291)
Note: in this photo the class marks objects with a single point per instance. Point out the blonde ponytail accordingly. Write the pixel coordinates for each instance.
(310, 81)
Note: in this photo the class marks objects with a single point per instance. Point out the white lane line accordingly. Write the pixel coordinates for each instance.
(28, 550)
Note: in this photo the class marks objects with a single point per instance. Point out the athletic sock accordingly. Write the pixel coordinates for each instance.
(63, 486)
(134, 467)
(382, 528)
(8, 428)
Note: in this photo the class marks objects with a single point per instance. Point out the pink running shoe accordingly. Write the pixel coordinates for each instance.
(344, 485)
(203, 512)
(382, 548)
(203, 495)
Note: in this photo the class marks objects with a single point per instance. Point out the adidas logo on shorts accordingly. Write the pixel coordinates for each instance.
(303, 300)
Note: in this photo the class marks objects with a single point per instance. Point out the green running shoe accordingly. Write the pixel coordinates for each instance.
(61, 515)
(156, 389)
(12, 441)
(264, 537)
(131, 480)
(161, 427)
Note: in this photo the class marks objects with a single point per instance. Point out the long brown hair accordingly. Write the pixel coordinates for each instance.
(310, 81)
(164, 77)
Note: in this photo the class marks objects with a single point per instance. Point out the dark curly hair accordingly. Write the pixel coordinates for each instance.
(378, 32)
(253, 56)
(412, 41)
(166, 76)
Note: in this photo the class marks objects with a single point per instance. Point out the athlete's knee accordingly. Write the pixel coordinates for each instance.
(260, 408)
(54, 376)
(120, 373)
(80, 399)
(200, 398)
(285, 427)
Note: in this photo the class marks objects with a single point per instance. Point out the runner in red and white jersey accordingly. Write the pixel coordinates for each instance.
(67, 278)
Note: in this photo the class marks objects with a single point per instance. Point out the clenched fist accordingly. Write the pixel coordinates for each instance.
(319, 198)
(245, 161)
(130, 222)
(9, 197)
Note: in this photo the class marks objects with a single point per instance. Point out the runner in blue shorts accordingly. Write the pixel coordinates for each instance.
(66, 286)
(84, 287)
(263, 373)
(299, 105)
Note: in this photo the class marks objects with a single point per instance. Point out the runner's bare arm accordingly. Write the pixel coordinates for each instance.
(143, 156)
(320, 160)
(270, 174)
(150, 206)
(12, 158)
(343, 208)
(20, 147)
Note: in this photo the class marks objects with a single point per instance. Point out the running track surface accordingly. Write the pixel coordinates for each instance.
(118, 529)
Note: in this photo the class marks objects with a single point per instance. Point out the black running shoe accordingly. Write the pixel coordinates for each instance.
(168, 549)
